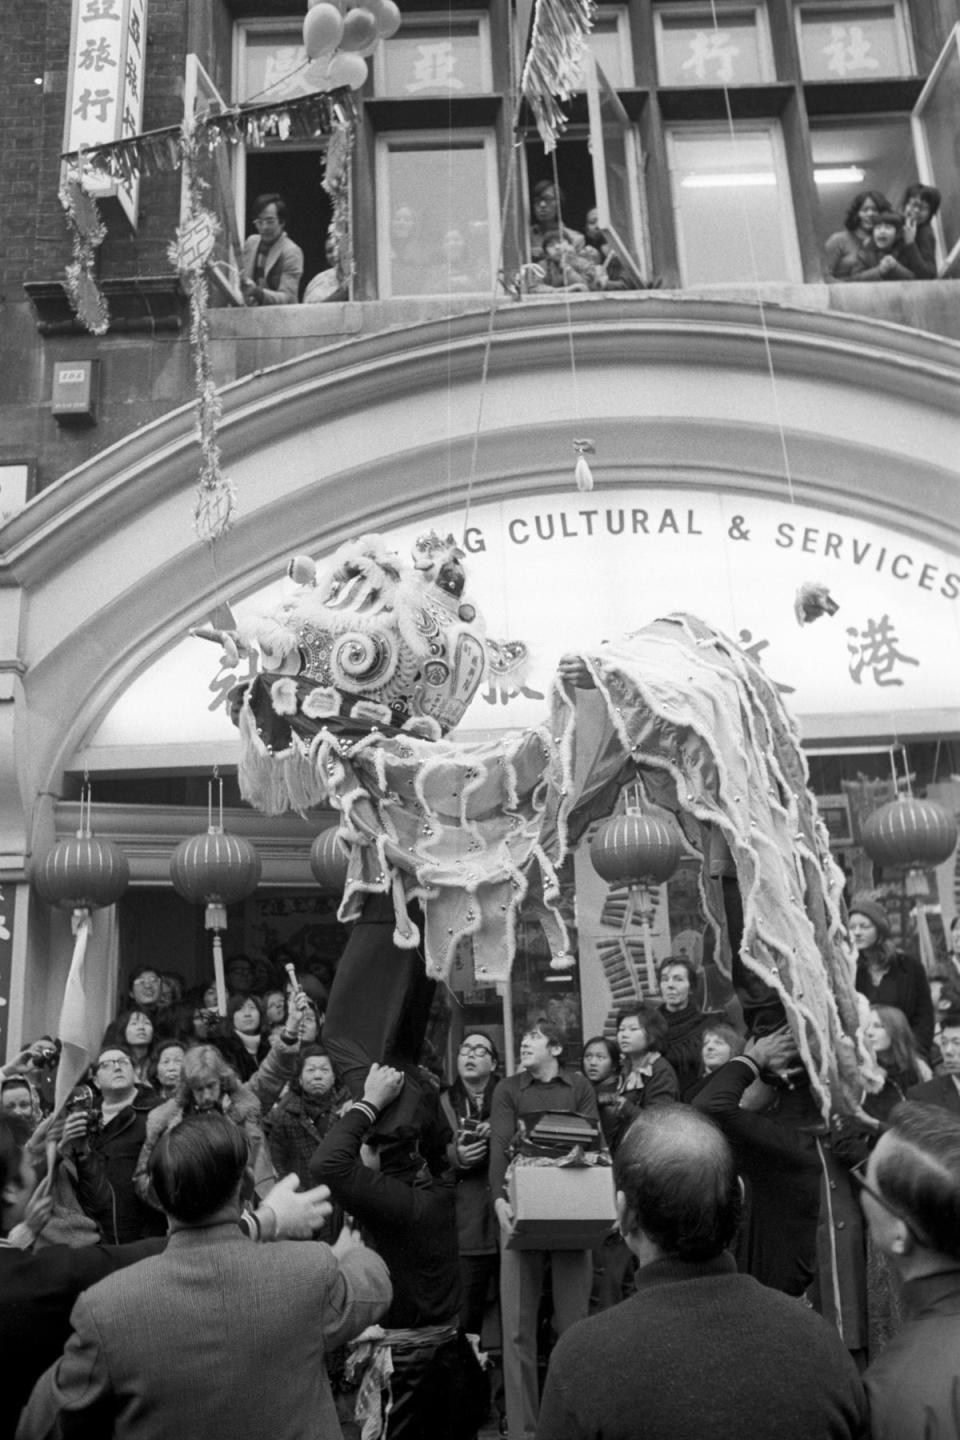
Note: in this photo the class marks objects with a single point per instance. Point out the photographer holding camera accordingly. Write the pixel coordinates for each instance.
(38, 1062)
(466, 1106)
(103, 1136)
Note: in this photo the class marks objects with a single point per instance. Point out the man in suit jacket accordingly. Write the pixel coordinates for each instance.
(944, 1089)
(215, 1337)
(272, 264)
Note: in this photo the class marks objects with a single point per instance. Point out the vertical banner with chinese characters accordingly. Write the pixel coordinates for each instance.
(105, 87)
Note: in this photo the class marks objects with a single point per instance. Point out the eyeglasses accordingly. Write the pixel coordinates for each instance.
(476, 1050)
(857, 1176)
(120, 1063)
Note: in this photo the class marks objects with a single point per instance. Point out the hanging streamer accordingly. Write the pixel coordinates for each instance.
(87, 232)
(216, 498)
(559, 33)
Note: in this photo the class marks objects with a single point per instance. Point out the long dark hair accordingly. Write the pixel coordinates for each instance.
(852, 218)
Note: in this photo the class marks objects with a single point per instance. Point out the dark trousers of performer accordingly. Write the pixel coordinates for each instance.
(379, 1007)
(435, 1393)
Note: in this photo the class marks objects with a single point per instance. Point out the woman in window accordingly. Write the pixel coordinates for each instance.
(850, 251)
(548, 202)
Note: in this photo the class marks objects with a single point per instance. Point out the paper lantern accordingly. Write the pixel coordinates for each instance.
(82, 873)
(910, 832)
(637, 848)
(328, 861)
(322, 29)
(215, 870)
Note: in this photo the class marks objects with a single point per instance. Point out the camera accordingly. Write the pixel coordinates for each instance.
(82, 1100)
(44, 1055)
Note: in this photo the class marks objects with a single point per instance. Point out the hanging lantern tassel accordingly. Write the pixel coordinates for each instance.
(582, 473)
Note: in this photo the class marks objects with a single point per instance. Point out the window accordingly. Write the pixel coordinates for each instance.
(438, 225)
(874, 153)
(610, 47)
(430, 56)
(702, 45)
(270, 63)
(862, 42)
(732, 204)
(935, 127)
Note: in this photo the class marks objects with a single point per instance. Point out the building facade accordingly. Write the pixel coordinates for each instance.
(753, 427)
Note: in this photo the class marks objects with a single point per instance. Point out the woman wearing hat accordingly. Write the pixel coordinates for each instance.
(885, 974)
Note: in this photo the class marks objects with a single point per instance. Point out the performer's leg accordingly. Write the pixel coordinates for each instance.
(378, 1007)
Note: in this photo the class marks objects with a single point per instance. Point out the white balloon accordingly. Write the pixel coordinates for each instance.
(322, 29)
(389, 19)
(346, 69)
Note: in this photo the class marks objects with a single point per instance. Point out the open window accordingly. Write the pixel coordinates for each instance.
(270, 63)
(201, 96)
(937, 141)
(616, 161)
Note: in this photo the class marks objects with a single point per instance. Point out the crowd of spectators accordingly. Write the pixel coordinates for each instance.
(433, 1197)
(880, 242)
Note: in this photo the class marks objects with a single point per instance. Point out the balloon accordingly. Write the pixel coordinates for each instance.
(322, 29)
(349, 70)
(389, 19)
(359, 30)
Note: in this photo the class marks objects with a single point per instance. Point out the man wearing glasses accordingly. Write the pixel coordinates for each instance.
(272, 264)
(103, 1143)
(911, 1200)
(466, 1105)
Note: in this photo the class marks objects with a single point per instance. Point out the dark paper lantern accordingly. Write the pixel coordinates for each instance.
(328, 861)
(82, 873)
(910, 832)
(215, 869)
(637, 848)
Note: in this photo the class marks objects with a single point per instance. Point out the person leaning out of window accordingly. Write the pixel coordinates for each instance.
(272, 263)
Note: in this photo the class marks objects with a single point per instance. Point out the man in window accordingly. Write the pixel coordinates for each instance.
(272, 264)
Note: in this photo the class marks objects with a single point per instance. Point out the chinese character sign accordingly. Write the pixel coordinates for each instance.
(105, 90)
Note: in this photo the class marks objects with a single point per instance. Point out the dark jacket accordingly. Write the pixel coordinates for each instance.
(913, 1387)
(905, 986)
(700, 1350)
(37, 1293)
(105, 1186)
(412, 1227)
(295, 1128)
(941, 1090)
(777, 1157)
(476, 1227)
(658, 1088)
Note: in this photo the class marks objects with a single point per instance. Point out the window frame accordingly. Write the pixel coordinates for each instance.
(768, 65)
(433, 19)
(470, 137)
(902, 28)
(620, 14)
(771, 126)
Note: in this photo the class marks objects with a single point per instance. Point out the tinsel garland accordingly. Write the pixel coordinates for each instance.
(216, 497)
(87, 232)
(559, 32)
(336, 182)
(160, 151)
